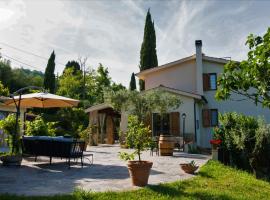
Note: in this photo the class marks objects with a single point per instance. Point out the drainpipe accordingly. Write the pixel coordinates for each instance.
(195, 121)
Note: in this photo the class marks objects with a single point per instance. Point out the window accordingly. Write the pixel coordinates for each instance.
(209, 81)
(161, 125)
(210, 117)
(213, 81)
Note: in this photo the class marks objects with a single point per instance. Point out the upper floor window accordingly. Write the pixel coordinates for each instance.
(209, 81)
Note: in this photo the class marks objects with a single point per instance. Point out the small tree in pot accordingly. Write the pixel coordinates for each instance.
(140, 105)
(139, 137)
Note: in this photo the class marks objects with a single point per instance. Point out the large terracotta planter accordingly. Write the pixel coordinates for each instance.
(139, 172)
(188, 168)
(166, 145)
(11, 160)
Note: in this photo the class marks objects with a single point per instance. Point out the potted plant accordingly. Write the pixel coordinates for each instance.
(139, 137)
(190, 167)
(14, 156)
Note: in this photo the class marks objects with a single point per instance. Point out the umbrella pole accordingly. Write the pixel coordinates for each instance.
(16, 124)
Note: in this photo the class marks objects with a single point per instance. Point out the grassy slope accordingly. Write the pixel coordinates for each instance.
(214, 181)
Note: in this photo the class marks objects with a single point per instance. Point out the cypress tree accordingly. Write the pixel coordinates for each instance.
(132, 84)
(148, 54)
(49, 77)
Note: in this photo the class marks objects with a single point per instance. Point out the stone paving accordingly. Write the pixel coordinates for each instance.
(107, 173)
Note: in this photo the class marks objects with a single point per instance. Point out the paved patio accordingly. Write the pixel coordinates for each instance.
(107, 173)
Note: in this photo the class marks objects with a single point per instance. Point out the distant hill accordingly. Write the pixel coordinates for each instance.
(18, 78)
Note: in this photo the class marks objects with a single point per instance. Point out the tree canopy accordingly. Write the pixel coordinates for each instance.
(148, 53)
(73, 64)
(17, 78)
(250, 77)
(49, 78)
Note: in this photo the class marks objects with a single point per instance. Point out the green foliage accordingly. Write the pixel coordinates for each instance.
(3, 90)
(248, 141)
(193, 164)
(8, 125)
(39, 127)
(260, 160)
(88, 133)
(148, 53)
(17, 78)
(250, 77)
(49, 77)
(73, 64)
(126, 156)
(132, 84)
(142, 104)
(214, 181)
(70, 84)
(137, 136)
(71, 121)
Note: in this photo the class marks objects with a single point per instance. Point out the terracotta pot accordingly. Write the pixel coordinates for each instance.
(139, 172)
(11, 160)
(188, 168)
(166, 145)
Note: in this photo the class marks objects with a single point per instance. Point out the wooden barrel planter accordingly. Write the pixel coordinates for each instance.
(166, 145)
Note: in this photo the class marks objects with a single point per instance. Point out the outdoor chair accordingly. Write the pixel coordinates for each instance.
(154, 147)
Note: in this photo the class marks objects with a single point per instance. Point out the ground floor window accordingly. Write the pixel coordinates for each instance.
(210, 117)
(161, 125)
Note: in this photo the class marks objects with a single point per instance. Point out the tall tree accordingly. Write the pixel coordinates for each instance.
(73, 64)
(132, 84)
(250, 77)
(49, 78)
(148, 54)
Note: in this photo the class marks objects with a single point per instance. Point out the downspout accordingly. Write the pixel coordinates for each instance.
(195, 121)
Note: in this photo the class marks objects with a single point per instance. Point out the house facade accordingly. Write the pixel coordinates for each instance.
(194, 79)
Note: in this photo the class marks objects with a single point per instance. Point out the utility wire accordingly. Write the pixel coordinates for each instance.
(16, 60)
(28, 52)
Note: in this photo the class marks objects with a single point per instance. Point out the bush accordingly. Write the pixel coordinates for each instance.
(247, 139)
(8, 125)
(39, 127)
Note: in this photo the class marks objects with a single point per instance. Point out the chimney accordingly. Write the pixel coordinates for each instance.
(199, 70)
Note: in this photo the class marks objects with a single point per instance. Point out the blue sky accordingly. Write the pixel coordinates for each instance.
(111, 31)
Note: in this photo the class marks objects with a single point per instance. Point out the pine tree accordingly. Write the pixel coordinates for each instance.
(49, 77)
(132, 84)
(148, 54)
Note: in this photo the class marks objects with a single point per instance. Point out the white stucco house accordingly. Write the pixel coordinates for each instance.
(194, 79)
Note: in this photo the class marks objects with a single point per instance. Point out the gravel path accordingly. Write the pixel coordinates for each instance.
(107, 173)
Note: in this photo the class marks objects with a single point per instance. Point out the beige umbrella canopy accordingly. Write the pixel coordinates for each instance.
(42, 100)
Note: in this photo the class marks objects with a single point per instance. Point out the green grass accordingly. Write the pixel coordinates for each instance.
(214, 181)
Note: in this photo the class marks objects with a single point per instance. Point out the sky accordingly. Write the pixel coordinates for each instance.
(111, 31)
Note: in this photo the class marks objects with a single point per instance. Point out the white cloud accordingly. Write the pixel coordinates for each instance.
(111, 32)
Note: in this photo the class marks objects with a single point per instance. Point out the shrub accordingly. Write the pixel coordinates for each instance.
(247, 139)
(8, 125)
(39, 127)
(260, 160)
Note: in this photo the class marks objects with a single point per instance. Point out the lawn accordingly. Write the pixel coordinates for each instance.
(214, 181)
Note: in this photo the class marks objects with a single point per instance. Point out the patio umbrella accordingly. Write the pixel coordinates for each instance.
(41, 100)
